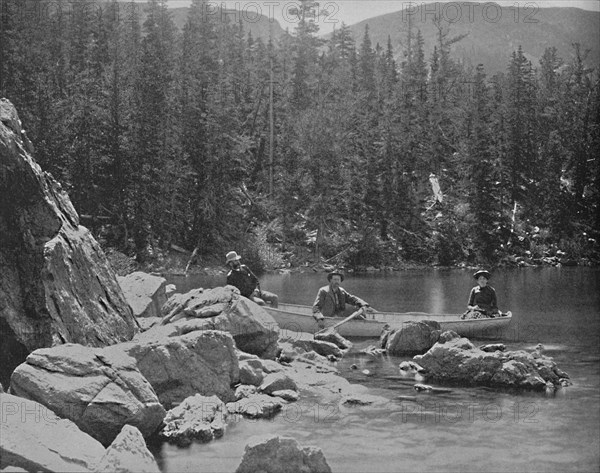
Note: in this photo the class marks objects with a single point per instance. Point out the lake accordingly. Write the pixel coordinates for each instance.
(464, 430)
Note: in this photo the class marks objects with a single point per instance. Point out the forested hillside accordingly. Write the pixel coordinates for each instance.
(491, 32)
(162, 136)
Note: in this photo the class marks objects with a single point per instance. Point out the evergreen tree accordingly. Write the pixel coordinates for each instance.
(520, 162)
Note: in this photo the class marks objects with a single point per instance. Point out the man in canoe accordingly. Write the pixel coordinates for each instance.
(332, 299)
(482, 300)
(241, 277)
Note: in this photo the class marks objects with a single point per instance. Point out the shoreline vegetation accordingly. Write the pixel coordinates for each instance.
(179, 262)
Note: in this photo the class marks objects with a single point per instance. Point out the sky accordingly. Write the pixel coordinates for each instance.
(353, 11)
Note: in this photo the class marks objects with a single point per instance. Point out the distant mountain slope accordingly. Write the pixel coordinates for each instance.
(492, 42)
(259, 25)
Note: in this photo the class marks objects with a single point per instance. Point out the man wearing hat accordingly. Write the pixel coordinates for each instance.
(332, 299)
(483, 297)
(241, 277)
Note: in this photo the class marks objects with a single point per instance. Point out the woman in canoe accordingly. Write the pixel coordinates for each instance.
(482, 300)
(332, 299)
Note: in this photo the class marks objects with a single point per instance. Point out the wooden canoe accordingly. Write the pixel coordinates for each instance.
(298, 318)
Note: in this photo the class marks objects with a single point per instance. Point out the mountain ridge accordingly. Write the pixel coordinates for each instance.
(491, 43)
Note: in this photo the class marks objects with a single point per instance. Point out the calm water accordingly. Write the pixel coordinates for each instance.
(465, 430)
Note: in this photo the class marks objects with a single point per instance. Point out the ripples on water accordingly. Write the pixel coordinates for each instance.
(467, 429)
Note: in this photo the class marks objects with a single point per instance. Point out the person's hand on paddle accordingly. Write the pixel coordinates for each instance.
(366, 309)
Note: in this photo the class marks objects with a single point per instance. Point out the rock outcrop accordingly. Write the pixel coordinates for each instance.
(128, 453)
(456, 360)
(197, 418)
(34, 438)
(222, 308)
(180, 366)
(145, 293)
(56, 285)
(282, 455)
(100, 390)
(413, 338)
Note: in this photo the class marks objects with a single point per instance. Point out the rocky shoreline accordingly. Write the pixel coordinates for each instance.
(209, 358)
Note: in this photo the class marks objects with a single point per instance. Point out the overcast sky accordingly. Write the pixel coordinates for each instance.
(353, 11)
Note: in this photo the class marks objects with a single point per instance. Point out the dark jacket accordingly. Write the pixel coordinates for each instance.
(485, 298)
(243, 279)
(325, 302)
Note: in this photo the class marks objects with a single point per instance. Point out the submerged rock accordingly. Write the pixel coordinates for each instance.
(56, 285)
(459, 361)
(282, 455)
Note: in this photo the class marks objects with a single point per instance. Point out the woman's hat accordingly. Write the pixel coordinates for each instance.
(335, 273)
(232, 256)
(482, 272)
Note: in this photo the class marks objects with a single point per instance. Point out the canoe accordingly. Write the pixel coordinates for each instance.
(298, 318)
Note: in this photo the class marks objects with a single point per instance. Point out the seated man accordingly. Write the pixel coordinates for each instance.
(241, 277)
(332, 299)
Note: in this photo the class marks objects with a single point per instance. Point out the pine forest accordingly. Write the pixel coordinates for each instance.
(305, 147)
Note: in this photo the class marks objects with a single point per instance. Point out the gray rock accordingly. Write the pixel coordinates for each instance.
(277, 382)
(170, 290)
(333, 337)
(100, 390)
(491, 347)
(56, 285)
(144, 293)
(286, 394)
(127, 453)
(412, 338)
(222, 308)
(197, 418)
(324, 348)
(251, 374)
(459, 361)
(177, 367)
(34, 438)
(410, 366)
(282, 455)
(244, 390)
(256, 406)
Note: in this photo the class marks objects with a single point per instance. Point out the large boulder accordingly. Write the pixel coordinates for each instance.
(100, 390)
(177, 367)
(457, 360)
(144, 293)
(413, 338)
(282, 455)
(223, 308)
(56, 285)
(34, 438)
(128, 453)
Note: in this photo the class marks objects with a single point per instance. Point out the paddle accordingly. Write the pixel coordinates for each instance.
(331, 330)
